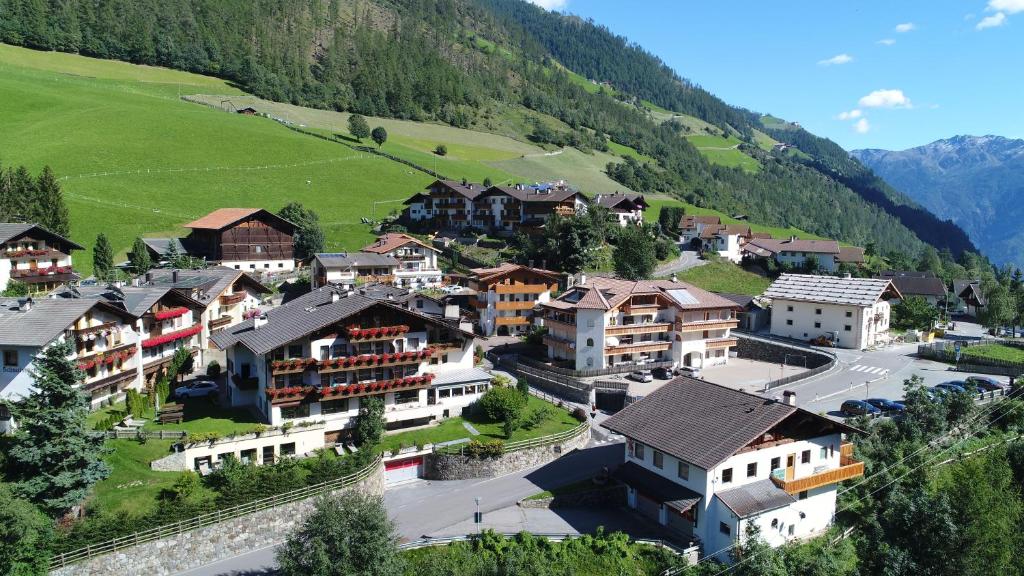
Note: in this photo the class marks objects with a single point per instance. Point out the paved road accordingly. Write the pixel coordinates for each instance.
(424, 507)
(687, 259)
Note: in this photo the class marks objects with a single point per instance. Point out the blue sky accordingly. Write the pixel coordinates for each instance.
(869, 74)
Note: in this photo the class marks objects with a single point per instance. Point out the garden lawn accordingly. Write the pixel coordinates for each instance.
(201, 416)
(560, 420)
(132, 486)
(996, 352)
(724, 276)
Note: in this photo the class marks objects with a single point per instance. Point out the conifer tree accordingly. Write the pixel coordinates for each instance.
(50, 208)
(102, 257)
(140, 259)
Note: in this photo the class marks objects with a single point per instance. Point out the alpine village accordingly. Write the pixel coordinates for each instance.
(472, 287)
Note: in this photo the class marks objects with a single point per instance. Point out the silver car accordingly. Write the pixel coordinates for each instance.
(641, 376)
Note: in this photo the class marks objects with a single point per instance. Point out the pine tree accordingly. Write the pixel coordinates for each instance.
(140, 259)
(102, 258)
(55, 457)
(50, 207)
(173, 256)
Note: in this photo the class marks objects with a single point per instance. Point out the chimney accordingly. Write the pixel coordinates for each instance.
(174, 276)
(847, 275)
(792, 238)
(451, 311)
(674, 277)
(149, 277)
(789, 398)
(335, 296)
(583, 278)
(258, 321)
(391, 296)
(25, 304)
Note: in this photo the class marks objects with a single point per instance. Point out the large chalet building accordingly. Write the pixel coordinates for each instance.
(625, 208)
(706, 461)
(796, 253)
(315, 358)
(503, 298)
(606, 322)
(248, 239)
(34, 256)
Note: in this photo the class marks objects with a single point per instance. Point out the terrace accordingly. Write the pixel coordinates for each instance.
(848, 468)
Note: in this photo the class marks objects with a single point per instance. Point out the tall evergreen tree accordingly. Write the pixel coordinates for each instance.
(55, 457)
(102, 258)
(53, 212)
(140, 260)
(25, 536)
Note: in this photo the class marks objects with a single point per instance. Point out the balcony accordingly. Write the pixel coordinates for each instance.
(291, 395)
(702, 325)
(519, 288)
(519, 305)
(641, 308)
(638, 347)
(232, 299)
(560, 325)
(848, 468)
(512, 321)
(349, 363)
(94, 329)
(356, 333)
(559, 343)
(720, 343)
(218, 323)
(650, 328)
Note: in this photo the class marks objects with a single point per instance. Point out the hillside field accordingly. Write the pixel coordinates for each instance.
(656, 202)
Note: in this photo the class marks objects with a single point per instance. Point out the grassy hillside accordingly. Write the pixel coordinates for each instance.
(656, 202)
(137, 160)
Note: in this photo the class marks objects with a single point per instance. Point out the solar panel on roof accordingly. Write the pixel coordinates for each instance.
(682, 296)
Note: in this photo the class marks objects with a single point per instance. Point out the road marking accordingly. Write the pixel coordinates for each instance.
(867, 369)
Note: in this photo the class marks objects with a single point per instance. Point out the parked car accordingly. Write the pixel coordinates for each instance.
(662, 373)
(886, 405)
(197, 389)
(858, 408)
(691, 371)
(953, 386)
(984, 383)
(641, 376)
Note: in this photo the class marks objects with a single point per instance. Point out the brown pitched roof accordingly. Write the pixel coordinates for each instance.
(691, 221)
(613, 200)
(393, 241)
(704, 423)
(470, 189)
(797, 245)
(528, 194)
(606, 293)
(762, 235)
(917, 285)
(488, 274)
(851, 254)
(224, 217)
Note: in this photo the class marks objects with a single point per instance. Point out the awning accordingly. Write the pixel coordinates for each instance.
(655, 487)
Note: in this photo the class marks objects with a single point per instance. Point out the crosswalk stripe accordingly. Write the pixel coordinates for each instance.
(866, 369)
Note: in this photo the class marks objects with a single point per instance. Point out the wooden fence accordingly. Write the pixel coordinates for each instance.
(211, 518)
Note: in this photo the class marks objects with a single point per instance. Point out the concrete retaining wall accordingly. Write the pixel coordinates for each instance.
(457, 467)
(210, 544)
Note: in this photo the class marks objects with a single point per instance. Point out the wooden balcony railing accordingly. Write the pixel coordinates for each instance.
(848, 468)
(652, 328)
(520, 288)
(565, 326)
(522, 305)
(512, 320)
(94, 329)
(638, 347)
(559, 343)
(721, 342)
(701, 325)
(221, 322)
(641, 308)
(231, 299)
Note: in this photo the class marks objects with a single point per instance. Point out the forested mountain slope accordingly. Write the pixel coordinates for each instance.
(469, 63)
(977, 181)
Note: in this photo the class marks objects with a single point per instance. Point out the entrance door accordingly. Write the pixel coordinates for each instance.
(790, 466)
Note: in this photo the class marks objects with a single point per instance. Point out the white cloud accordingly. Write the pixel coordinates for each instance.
(861, 126)
(885, 98)
(1008, 6)
(551, 4)
(855, 113)
(836, 60)
(905, 27)
(994, 21)
(886, 42)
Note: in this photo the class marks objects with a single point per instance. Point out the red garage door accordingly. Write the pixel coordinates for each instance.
(403, 470)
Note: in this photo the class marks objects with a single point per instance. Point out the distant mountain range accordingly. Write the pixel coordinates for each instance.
(977, 181)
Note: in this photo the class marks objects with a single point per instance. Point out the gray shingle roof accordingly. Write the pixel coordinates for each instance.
(46, 320)
(347, 259)
(201, 285)
(754, 498)
(655, 487)
(162, 245)
(697, 421)
(135, 301)
(831, 289)
(917, 285)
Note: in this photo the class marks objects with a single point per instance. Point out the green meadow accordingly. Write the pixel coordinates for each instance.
(656, 202)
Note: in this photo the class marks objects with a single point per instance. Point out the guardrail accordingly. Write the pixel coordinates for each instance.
(203, 520)
(133, 434)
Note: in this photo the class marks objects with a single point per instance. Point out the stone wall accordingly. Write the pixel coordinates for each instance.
(609, 497)
(775, 352)
(174, 462)
(213, 543)
(457, 467)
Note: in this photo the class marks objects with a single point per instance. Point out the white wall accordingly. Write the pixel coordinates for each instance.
(260, 265)
(833, 318)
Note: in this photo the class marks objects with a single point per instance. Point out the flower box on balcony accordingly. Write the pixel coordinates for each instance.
(172, 336)
(170, 313)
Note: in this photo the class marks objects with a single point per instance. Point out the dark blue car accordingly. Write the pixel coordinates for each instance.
(886, 405)
(984, 383)
(858, 408)
(953, 386)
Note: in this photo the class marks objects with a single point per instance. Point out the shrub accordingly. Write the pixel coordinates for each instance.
(523, 385)
(537, 417)
(213, 369)
(502, 404)
(441, 150)
(580, 414)
(477, 449)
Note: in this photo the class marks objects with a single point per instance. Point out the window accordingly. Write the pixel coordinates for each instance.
(295, 350)
(849, 314)
(334, 406)
(789, 322)
(683, 470)
(817, 311)
(659, 459)
(407, 396)
(10, 357)
(726, 475)
(776, 463)
(824, 453)
(724, 528)
(817, 324)
(638, 451)
(288, 449)
(789, 308)
(805, 457)
(590, 341)
(751, 469)
(291, 412)
(847, 328)
(792, 529)
(419, 303)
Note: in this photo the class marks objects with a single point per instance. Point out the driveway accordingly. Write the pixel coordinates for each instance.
(424, 507)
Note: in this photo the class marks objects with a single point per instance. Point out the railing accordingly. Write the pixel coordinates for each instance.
(520, 288)
(546, 440)
(515, 360)
(134, 434)
(637, 347)
(96, 328)
(720, 342)
(209, 519)
(219, 322)
(553, 323)
(521, 305)
(649, 328)
(848, 468)
(511, 320)
(701, 325)
(229, 299)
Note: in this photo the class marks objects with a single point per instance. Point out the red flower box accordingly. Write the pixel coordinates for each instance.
(172, 336)
(170, 313)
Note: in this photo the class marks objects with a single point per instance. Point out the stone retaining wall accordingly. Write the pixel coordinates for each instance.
(210, 544)
(609, 497)
(457, 467)
(174, 462)
(775, 352)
